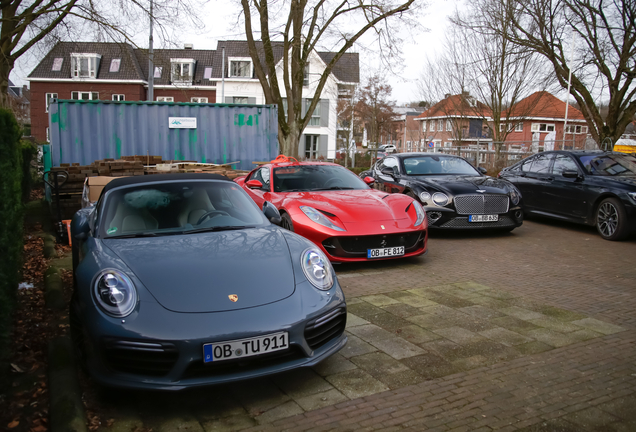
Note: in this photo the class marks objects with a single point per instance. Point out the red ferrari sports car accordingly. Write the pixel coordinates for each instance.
(338, 211)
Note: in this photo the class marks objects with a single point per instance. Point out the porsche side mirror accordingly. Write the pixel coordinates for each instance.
(570, 174)
(369, 180)
(80, 225)
(271, 212)
(254, 184)
(482, 170)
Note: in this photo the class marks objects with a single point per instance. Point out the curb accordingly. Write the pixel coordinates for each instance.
(53, 289)
(49, 246)
(66, 409)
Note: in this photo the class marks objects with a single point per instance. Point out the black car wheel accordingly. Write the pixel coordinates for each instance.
(287, 222)
(610, 219)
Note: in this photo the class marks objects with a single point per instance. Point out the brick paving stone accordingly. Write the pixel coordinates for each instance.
(505, 336)
(353, 320)
(356, 383)
(458, 335)
(522, 314)
(598, 326)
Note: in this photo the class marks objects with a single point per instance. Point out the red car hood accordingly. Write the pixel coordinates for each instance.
(353, 205)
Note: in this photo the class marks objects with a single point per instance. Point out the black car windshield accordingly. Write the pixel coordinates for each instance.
(297, 178)
(437, 165)
(611, 164)
(177, 207)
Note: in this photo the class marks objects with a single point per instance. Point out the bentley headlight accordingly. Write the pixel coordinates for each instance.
(319, 218)
(440, 199)
(515, 197)
(115, 293)
(425, 196)
(317, 269)
(419, 211)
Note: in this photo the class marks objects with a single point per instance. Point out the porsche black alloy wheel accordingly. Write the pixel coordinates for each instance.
(610, 219)
(287, 222)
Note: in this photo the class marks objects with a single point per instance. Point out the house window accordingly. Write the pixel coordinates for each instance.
(181, 70)
(542, 127)
(114, 65)
(57, 64)
(165, 99)
(84, 65)
(241, 67)
(199, 100)
(311, 146)
(519, 127)
(306, 75)
(158, 70)
(449, 125)
(315, 116)
(76, 95)
(575, 129)
(207, 72)
(424, 126)
(432, 125)
(448, 144)
(239, 100)
(47, 100)
(119, 97)
(440, 125)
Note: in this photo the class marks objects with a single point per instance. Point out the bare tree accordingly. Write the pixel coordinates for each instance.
(26, 23)
(604, 65)
(375, 108)
(306, 26)
(497, 73)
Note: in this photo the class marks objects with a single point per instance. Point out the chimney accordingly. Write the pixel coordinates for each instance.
(188, 46)
(447, 95)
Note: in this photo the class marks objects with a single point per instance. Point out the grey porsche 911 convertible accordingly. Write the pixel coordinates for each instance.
(181, 281)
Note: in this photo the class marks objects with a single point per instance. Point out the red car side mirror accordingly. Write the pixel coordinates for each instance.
(254, 184)
(369, 180)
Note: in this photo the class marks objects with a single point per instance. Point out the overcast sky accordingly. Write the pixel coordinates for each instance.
(416, 46)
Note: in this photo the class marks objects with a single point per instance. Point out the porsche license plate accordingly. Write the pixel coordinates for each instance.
(241, 348)
(483, 218)
(385, 252)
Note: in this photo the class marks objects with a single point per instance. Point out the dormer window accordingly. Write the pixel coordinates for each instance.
(182, 70)
(114, 65)
(240, 67)
(57, 64)
(84, 65)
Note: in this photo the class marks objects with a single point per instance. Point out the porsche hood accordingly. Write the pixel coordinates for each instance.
(211, 272)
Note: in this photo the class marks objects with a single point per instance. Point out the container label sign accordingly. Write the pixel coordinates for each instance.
(182, 122)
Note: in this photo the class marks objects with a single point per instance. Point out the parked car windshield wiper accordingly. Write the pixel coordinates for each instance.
(133, 235)
(333, 188)
(217, 228)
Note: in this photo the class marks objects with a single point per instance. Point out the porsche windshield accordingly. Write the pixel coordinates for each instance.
(297, 178)
(437, 165)
(610, 164)
(177, 207)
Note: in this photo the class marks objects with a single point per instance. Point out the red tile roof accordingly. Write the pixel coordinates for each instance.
(544, 104)
(457, 105)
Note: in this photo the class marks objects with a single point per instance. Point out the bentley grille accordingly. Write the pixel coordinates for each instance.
(481, 204)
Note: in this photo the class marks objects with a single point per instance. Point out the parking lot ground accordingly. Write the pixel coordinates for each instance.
(533, 330)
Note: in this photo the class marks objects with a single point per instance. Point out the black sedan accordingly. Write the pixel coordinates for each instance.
(454, 194)
(589, 187)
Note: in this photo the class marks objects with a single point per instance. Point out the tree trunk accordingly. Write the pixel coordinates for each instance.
(288, 143)
(6, 66)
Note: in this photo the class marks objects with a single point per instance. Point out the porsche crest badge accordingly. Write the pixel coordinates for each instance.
(233, 298)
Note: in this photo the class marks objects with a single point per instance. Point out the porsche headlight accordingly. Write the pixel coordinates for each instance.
(115, 293)
(317, 269)
(425, 196)
(515, 197)
(440, 199)
(419, 211)
(319, 218)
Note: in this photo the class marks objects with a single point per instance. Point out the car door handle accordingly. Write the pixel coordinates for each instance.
(550, 179)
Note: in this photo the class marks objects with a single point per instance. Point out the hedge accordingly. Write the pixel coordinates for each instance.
(10, 223)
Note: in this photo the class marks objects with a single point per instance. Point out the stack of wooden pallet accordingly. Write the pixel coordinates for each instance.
(119, 168)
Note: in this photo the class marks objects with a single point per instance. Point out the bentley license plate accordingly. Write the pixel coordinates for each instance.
(385, 252)
(245, 347)
(483, 218)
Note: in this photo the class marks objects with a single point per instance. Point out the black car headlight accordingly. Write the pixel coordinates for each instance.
(515, 197)
(317, 268)
(115, 293)
(425, 196)
(441, 199)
